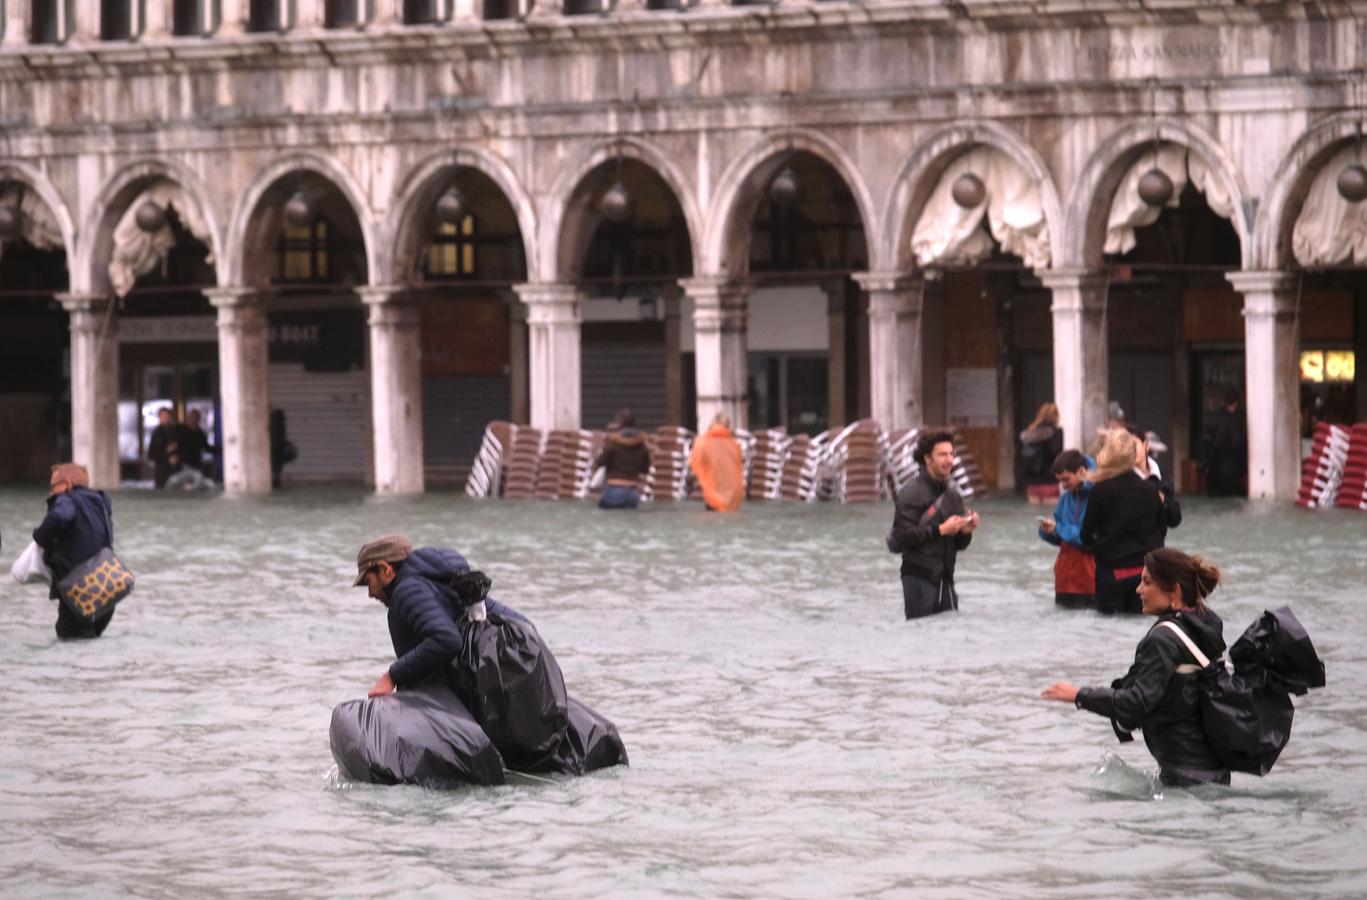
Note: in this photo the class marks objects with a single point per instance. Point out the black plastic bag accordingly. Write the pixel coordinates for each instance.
(591, 742)
(1247, 715)
(1247, 724)
(510, 681)
(421, 736)
(1276, 649)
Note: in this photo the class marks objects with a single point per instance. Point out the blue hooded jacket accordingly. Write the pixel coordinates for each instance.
(77, 527)
(425, 614)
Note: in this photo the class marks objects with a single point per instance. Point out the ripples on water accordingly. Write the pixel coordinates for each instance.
(790, 735)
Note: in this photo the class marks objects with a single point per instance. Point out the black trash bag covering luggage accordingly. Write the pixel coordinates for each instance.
(1247, 715)
(591, 742)
(420, 736)
(510, 681)
(1278, 647)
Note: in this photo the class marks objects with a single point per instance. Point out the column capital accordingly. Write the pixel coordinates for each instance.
(1269, 282)
(232, 297)
(715, 290)
(543, 293)
(373, 295)
(81, 303)
(1077, 279)
(881, 282)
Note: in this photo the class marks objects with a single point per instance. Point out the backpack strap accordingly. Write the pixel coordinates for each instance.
(1190, 644)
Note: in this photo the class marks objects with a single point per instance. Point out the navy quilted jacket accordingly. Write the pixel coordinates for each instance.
(424, 614)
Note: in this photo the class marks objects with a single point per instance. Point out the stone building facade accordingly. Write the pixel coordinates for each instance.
(675, 189)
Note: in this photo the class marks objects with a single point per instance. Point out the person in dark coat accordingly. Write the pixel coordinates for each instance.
(1041, 444)
(282, 448)
(929, 528)
(79, 524)
(414, 585)
(1146, 464)
(1159, 693)
(626, 457)
(1125, 519)
(163, 448)
(1223, 450)
(194, 442)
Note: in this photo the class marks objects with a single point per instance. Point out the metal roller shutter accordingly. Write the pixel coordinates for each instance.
(623, 374)
(455, 410)
(327, 418)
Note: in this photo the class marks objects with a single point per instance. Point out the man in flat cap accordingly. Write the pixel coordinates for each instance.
(424, 609)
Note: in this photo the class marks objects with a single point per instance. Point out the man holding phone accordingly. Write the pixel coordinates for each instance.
(1075, 567)
(929, 528)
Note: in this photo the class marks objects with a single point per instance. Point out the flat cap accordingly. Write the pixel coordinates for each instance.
(390, 548)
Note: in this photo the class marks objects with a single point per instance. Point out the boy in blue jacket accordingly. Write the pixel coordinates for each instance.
(1075, 568)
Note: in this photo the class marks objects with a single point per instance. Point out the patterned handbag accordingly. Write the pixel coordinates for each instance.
(96, 584)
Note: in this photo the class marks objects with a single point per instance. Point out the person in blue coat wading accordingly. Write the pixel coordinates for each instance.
(1075, 567)
(414, 586)
(78, 525)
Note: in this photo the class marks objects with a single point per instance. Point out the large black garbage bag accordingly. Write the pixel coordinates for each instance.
(591, 742)
(1247, 714)
(420, 736)
(509, 679)
(1277, 648)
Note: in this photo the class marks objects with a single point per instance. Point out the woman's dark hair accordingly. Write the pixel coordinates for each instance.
(926, 441)
(625, 418)
(1192, 576)
(1069, 461)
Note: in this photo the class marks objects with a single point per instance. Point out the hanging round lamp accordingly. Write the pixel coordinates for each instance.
(298, 210)
(968, 190)
(451, 206)
(11, 221)
(1352, 183)
(616, 203)
(785, 190)
(150, 216)
(1155, 187)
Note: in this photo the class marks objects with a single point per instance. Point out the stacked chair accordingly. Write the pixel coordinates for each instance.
(800, 469)
(519, 482)
(855, 464)
(765, 481)
(967, 477)
(902, 464)
(1353, 488)
(669, 451)
(1322, 471)
(486, 475)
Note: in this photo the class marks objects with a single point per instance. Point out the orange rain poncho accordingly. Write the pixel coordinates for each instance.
(716, 460)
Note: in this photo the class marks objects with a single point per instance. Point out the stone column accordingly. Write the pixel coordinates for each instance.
(896, 339)
(1081, 351)
(553, 318)
(232, 18)
(1272, 343)
(245, 403)
(719, 320)
(311, 14)
(388, 13)
(395, 389)
(85, 26)
(671, 296)
(94, 386)
(156, 21)
(16, 23)
(836, 414)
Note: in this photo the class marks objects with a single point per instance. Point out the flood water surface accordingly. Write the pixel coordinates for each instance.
(789, 733)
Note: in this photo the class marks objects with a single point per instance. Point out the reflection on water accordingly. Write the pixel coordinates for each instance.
(789, 733)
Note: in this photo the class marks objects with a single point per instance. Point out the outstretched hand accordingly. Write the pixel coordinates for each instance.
(1061, 691)
(385, 685)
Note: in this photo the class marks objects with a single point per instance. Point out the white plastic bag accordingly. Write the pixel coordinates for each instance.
(29, 568)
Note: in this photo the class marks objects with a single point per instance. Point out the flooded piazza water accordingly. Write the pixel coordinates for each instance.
(789, 733)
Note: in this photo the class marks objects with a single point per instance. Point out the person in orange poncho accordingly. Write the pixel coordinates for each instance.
(716, 461)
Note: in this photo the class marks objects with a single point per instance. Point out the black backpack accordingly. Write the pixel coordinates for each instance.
(1246, 713)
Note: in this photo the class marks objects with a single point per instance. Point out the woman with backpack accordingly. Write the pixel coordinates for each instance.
(1041, 444)
(1160, 693)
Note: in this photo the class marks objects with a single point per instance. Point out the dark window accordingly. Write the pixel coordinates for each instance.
(584, 7)
(665, 4)
(264, 15)
(420, 12)
(303, 252)
(116, 20)
(500, 9)
(452, 253)
(188, 18)
(46, 24)
(343, 13)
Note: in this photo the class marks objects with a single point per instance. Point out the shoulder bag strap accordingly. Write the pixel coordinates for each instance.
(1201, 658)
(933, 508)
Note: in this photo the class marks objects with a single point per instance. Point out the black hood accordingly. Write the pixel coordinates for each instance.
(1205, 628)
